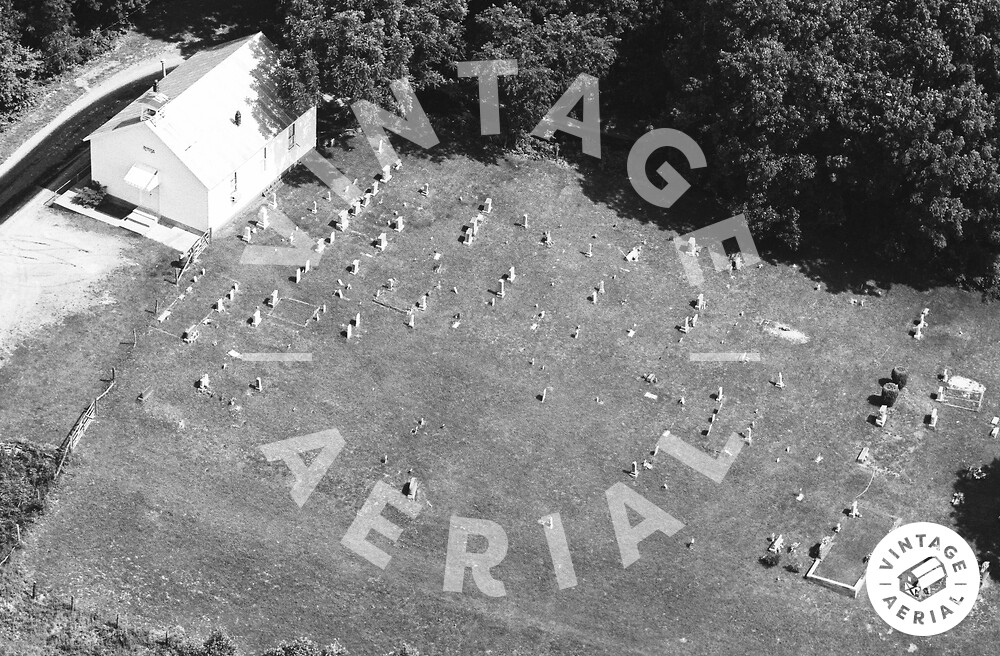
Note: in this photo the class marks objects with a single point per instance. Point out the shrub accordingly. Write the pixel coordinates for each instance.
(92, 195)
(306, 647)
(770, 559)
(900, 376)
(890, 392)
(219, 644)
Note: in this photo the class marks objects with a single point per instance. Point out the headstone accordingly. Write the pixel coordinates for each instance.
(590, 251)
(255, 319)
(600, 287)
(203, 382)
(488, 205)
(274, 298)
(576, 333)
(777, 544)
(398, 225)
(257, 384)
(687, 325)
(409, 321)
(349, 327)
(411, 489)
(633, 255)
(694, 320)
(854, 513)
(274, 199)
(386, 173)
(918, 333)
(863, 456)
(883, 415)
(995, 431)
(382, 242)
(780, 383)
(398, 165)
(700, 303)
(502, 292)
(635, 470)
(339, 294)
(692, 247)
(524, 222)
(247, 234)
(422, 303)
(329, 196)
(354, 267)
(425, 190)
(357, 320)
(366, 200)
(381, 145)
(511, 275)
(315, 208)
(718, 395)
(262, 218)
(298, 275)
(374, 187)
(934, 418)
(547, 239)
(320, 245)
(306, 268)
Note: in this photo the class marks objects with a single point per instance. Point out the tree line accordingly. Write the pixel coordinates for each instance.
(869, 122)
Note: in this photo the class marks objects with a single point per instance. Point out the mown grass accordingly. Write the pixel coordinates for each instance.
(171, 514)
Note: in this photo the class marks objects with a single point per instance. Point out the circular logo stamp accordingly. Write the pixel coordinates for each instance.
(922, 579)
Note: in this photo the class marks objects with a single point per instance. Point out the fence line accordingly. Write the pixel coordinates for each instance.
(78, 429)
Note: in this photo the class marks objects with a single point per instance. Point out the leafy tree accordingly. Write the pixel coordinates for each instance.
(306, 647)
(19, 67)
(550, 55)
(218, 644)
(848, 117)
(354, 49)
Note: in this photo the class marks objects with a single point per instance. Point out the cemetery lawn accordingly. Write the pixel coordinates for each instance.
(171, 515)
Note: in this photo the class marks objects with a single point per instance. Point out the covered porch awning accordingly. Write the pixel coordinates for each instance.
(142, 177)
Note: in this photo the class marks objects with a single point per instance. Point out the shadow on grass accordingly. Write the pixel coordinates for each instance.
(977, 518)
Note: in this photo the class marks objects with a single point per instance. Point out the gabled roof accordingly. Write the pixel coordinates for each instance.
(202, 95)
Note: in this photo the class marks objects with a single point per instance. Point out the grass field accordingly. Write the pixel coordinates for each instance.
(171, 514)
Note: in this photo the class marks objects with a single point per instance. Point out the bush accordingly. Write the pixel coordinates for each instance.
(92, 195)
(770, 559)
(890, 392)
(899, 376)
(306, 647)
(219, 644)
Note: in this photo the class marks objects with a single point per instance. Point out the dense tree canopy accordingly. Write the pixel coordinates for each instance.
(354, 49)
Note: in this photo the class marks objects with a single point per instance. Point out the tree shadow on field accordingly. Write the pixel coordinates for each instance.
(977, 518)
(843, 259)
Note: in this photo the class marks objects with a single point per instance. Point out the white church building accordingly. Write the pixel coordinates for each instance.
(206, 140)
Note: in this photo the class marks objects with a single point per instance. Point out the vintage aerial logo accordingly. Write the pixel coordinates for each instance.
(923, 579)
